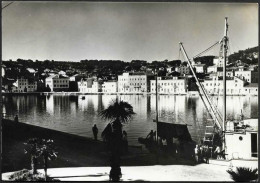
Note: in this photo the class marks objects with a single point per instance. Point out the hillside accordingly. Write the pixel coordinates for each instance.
(248, 56)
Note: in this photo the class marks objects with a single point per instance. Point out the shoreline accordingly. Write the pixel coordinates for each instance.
(73, 150)
(189, 93)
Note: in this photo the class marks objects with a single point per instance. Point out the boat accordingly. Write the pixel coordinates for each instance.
(238, 137)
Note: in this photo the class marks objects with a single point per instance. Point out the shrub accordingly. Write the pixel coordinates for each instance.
(26, 175)
(243, 174)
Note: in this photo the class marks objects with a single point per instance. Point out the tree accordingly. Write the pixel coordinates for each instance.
(118, 112)
(47, 152)
(243, 174)
(32, 147)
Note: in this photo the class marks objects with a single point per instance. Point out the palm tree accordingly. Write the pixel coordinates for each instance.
(118, 112)
(243, 174)
(47, 151)
(32, 147)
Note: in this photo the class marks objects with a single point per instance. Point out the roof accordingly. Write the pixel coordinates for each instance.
(251, 85)
(57, 76)
(199, 65)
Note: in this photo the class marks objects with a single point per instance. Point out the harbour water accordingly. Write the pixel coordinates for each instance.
(75, 115)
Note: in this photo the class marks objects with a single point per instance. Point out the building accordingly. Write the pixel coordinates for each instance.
(134, 82)
(169, 85)
(212, 69)
(109, 86)
(200, 68)
(218, 61)
(24, 85)
(90, 85)
(183, 70)
(214, 86)
(247, 75)
(251, 89)
(57, 83)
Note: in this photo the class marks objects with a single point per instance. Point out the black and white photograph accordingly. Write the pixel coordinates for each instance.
(129, 91)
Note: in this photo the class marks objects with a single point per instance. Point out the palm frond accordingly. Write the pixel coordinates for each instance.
(118, 110)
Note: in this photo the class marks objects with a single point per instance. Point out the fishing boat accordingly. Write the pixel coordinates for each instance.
(238, 138)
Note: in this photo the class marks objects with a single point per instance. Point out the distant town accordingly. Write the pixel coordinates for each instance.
(135, 77)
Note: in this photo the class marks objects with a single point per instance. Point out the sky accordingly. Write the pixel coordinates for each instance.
(74, 31)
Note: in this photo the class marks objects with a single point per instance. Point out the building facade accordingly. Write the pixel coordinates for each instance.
(200, 68)
(214, 86)
(247, 75)
(133, 83)
(90, 85)
(109, 87)
(57, 83)
(23, 85)
(169, 85)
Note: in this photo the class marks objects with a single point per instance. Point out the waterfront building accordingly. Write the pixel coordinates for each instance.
(247, 75)
(109, 86)
(251, 89)
(24, 85)
(214, 86)
(90, 85)
(169, 85)
(57, 82)
(134, 82)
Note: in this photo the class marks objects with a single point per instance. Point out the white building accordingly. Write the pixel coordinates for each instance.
(169, 85)
(90, 86)
(247, 75)
(62, 73)
(133, 82)
(214, 86)
(31, 70)
(251, 89)
(23, 85)
(57, 83)
(218, 61)
(212, 69)
(109, 87)
(200, 68)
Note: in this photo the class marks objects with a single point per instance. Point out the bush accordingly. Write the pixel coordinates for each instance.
(243, 174)
(26, 175)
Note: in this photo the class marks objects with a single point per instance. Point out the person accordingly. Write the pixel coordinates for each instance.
(197, 153)
(16, 118)
(95, 131)
(218, 152)
(206, 154)
(125, 142)
(150, 136)
(164, 143)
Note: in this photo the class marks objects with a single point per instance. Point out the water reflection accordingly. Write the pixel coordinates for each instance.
(76, 115)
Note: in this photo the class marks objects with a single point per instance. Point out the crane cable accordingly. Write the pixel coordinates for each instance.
(212, 46)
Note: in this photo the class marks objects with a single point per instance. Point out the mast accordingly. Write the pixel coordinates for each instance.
(156, 103)
(225, 39)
